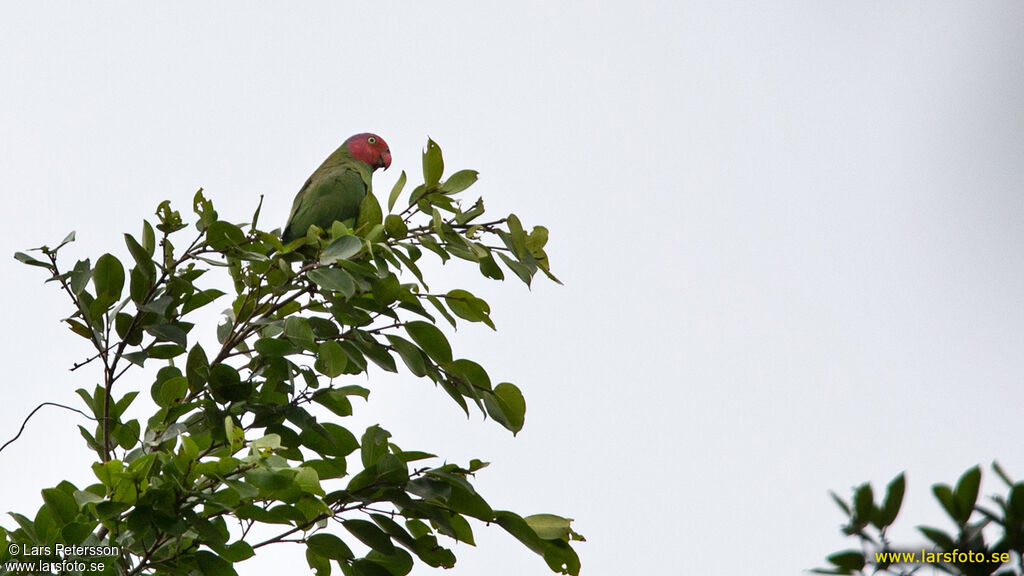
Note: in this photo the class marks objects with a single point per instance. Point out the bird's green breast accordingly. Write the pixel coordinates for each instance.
(333, 193)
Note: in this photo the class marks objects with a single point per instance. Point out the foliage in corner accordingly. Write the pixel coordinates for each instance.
(251, 432)
(966, 552)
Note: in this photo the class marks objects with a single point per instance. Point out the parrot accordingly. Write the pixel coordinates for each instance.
(336, 189)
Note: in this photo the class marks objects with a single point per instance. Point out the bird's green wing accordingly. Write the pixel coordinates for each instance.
(331, 193)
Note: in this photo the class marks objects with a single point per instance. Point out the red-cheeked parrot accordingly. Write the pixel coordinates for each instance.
(337, 188)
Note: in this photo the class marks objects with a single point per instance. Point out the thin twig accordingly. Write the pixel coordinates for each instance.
(32, 413)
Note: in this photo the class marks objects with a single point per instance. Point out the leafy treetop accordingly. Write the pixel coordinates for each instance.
(252, 431)
(988, 539)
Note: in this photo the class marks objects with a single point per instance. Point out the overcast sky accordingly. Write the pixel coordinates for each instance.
(790, 235)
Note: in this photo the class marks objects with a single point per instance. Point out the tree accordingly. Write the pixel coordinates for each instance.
(969, 553)
(252, 432)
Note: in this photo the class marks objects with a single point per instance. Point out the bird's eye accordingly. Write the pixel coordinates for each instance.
(371, 140)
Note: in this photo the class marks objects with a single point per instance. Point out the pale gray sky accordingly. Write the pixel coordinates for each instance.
(790, 235)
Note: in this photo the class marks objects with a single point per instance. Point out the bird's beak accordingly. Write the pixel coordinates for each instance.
(384, 160)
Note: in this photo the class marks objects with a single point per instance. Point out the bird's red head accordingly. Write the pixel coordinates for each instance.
(371, 149)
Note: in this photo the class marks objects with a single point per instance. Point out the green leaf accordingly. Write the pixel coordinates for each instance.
(334, 279)
(354, 390)
(168, 333)
(507, 406)
(170, 220)
(276, 515)
(329, 468)
(863, 502)
(469, 307)
(515, 229)
(462, 530)
(213, 532)
(490, 269)
(223, 235)
(395, 226)
(170, 392)
(436, 303)
(329, 440)
(839, 502)
(212, 565)
(560, 557)
(549, 526)
(121, 405)
(368, 533)
(376, 352)
(966, 493)
(200, 299)
(342, 248)
(127, 434)
(431, 340)
(374, 444)
(428, 550)
(137, 358)
(299, 332)
(236, 552)
(323, 328)
(431, 244)
(123, 323)
(269, 442)
(433, 164)
(67, 239)
(1002, 474)
(256, 215)
(395, 191)
(274, 347)
(80, 276)
(944, 495)
(157, 305)
(410, 261)
(413, 357)
(61, 504)
(370, 213)
(138, 285)
(26, 259)
(893, 500)
(848, 560)
(197, 367)
(386, 290)
(329, 546)
(79, 328)
(467, 216)
(365, 567)
(164, 351)
(270, 480)
(463, 498)
(204, 209)
(76, 532)
(108, 279)
(1015, 501)
(537, 239)
(393, 529)
(226, 385)
(436, 222)
(143, 259)
(519, 269)
(334, 400)
(321, 566)
(471, 372)
(940, 538)
(399, 563)
(331, 359)
(459, 181)
(148, 237)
